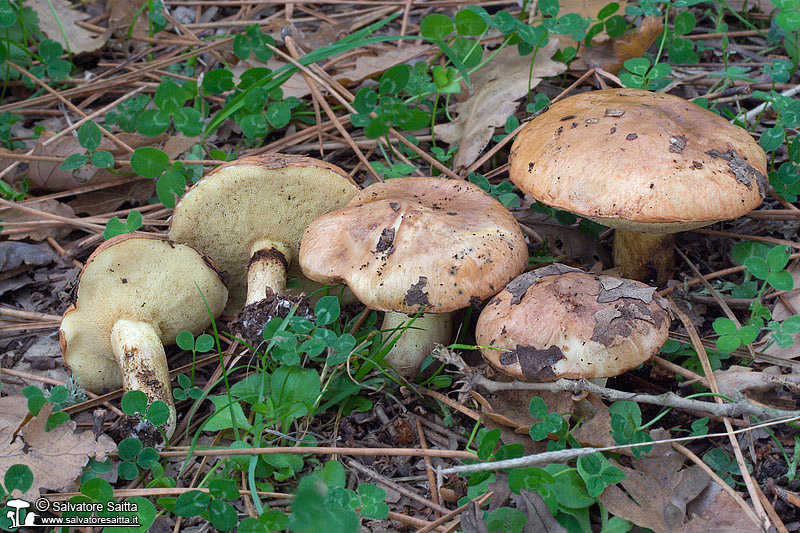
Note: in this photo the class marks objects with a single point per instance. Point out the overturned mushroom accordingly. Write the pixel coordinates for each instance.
(416, 244)
(559, 322)
(135, 294)
(249, 216)
(647, 164)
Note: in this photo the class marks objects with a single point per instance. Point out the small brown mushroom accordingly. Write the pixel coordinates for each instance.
(135, 294)
(249, 216)
(559, 322)
(647, 164)
(416, 244)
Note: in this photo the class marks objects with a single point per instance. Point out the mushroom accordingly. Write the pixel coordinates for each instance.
(647, 164)
(135, 294)
(416, 244)
(559, 322)
(249, 216)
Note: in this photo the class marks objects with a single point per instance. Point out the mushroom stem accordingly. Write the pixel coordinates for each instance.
(645, 257)
(417, 341)
(143, 364)
(269, 261)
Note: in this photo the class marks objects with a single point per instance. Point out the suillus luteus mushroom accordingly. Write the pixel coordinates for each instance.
(647, 164)
(559, 322)
(248, 216)
(135, 294)
(416, 244)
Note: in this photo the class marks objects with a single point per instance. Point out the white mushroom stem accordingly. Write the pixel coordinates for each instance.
(268, 263)
(417, 341)
(645, 257)
(143, 364)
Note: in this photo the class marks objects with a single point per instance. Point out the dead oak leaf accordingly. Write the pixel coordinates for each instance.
(365, 67)
(511, 408)
(49, 176)
(15, 254)
(39, 233)
(56, 458)
(496, 90)
(57, 14)
(660, 494)
(610, 55)
(368, 66)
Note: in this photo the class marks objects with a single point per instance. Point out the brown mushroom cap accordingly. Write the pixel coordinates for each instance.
(139, 278)
(271, 196)
(410, 243)
(558, 322)
(640, 161)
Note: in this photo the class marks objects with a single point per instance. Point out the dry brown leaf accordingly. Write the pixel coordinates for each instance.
(587, 8)
(496, 89)
(15, 254)
(12, 412)
(48, 176)
(295, 86)
(121, 14)
(611, 54)
(723, 515)
(326, 34)
(63, 15)
(108, 200)
(512, 407)
(54, 207)
(595, 427)
(179, 143)
(56, 458)
(365, 67)
(662, 494)
(370, 65)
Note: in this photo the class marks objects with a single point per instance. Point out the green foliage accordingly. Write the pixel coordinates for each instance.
(503, 191)
(551, 423)
(731, 337)
(89, 137)
(8, 119)
(639, 74)
(598, 473)
(608, 19)
(725, 466)
(18, 477)
(626, 423)
(116, 227)
(135, 403)
(318, 507)
(59, 396)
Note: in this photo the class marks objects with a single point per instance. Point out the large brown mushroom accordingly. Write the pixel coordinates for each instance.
(416, 244)
(559, 322)
(647, 164)
(135, 294)
(249, 216)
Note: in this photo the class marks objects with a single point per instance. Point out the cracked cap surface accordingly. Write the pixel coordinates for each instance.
(559, 322)
(409, 243)
(639, 160)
